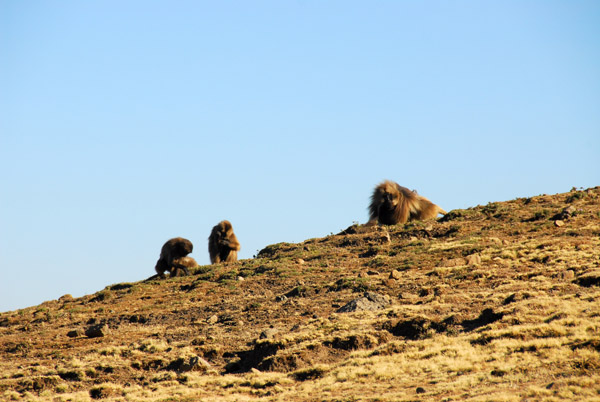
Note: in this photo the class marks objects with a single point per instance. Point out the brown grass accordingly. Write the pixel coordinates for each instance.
(517, 323)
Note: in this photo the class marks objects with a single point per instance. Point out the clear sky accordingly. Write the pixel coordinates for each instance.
(126, 123)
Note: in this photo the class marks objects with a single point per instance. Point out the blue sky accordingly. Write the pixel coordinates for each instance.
(123, 124)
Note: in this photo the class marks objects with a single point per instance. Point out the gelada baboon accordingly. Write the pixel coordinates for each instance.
(182, 264)
(223, 246)
(391, 204)
(173, 250)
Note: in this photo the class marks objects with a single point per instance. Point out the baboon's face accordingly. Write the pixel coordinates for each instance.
(390, 200)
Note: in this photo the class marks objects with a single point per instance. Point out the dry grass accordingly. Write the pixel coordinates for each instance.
(489, 304)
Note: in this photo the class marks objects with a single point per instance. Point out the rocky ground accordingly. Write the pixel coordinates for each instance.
(494, 302)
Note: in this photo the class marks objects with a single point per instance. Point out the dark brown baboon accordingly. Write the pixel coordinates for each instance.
(223, 246)
(391, 204)
(173, 249)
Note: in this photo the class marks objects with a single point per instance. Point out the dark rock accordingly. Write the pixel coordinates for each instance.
(417, 328)
(591, 278)
(487, 316)
(97, 331)
(75, 333)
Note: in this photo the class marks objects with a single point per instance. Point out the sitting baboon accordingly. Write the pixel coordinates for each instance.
(223, 246)
(172, 250)
(391, 204)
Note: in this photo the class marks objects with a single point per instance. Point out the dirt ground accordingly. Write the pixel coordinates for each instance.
(492, 303)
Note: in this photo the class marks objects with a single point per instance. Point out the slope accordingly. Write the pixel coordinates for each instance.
(494, 302)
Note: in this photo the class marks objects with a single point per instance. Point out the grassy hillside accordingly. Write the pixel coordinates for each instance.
(495, 302)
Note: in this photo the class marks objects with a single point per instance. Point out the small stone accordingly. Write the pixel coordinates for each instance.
(240, 279)
(97, 331)
(395, 274)
(420, 390)
(474, 259)
(300, 261)
(429, 228)
(213, 319)
(559, 223)
(568, 274)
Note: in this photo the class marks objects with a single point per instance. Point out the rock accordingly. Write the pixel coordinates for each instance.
(395, 274)
(97, 331)
(420, 390)
(213, 319)
(369, 302)
(240, 279)
(568, 275)
(390, 283)
(281, 298)
(558, 223)
(65, 298)
(589, 279)
(412, 329)
(300, 261)
(474, 259)
(268, 333)
(565, 214)
(193, 363)
(75, 333)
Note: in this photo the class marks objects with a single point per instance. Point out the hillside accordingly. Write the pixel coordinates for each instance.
(494, 302)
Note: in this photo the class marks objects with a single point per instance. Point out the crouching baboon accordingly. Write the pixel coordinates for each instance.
(174, 250)
(223, 246)
(182, 264)
(391, 204)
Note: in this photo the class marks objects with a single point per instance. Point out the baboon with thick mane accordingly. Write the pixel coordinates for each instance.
(392, 204)
(223, 246)
(174, 250)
